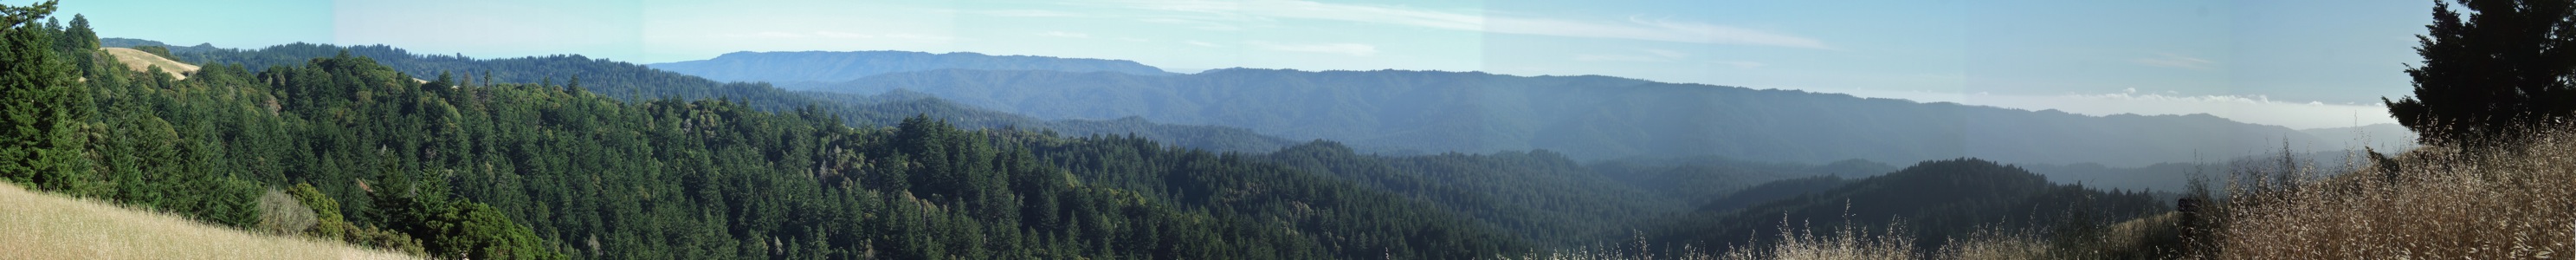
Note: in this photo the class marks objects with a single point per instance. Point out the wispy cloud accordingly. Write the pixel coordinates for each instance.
(831, 35)
(1666, 53)
(1200, 43)
(1643, 55)
(1352, 49)
(1617, 57)
(1065, 34)
(1662, 55)
(1031, 13)
(1224, 14)
(2170, 60)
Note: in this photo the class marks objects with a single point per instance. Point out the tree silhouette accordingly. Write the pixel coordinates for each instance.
(2504, 68)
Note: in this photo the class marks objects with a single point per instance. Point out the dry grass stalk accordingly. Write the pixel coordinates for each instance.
(2442, 202)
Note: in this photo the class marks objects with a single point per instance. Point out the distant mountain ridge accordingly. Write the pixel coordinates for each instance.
(832, 66)
(1596, 117)
(631, 81)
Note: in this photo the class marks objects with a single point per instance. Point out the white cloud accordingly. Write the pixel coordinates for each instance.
(1133, 39)
(1065, 34)
(2170, 60)
(1352, 49)
(1667, 53)
(1200, 43)
(1222, 14)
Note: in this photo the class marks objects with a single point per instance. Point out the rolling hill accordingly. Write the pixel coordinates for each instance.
(1940, 200)
(141, 61)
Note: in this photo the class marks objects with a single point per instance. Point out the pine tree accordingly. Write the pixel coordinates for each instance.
(44, 106)
(2507, 66)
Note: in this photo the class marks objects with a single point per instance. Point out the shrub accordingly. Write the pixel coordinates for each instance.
(283, 214)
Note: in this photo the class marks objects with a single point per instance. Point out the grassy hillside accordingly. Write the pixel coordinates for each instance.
(47, 226)
(141, 61)
(2513, 201)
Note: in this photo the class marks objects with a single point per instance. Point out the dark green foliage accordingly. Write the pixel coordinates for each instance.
(2507, 66)
(43, 110)
(163, 51)
(1700, 180)
(1540, 194)
(1771, 191)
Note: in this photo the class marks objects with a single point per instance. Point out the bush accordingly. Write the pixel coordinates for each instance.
(283, 214)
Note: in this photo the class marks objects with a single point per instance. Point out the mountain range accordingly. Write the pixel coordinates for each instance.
(1592, 117)
(825, 66)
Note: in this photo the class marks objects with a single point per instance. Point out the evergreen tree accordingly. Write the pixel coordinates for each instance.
(2508, 65)
(44, 105)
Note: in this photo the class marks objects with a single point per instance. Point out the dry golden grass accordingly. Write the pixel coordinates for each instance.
(1997, 245)
(1848, 242)
(2445, 202)
(45, 226)
(141, 61)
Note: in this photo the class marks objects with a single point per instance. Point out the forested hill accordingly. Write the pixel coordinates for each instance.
(833, 66)
(1938, 200)
(535, 171)
(1595, 117)
(627, 81)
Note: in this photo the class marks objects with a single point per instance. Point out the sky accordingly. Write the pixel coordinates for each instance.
(2301, 64)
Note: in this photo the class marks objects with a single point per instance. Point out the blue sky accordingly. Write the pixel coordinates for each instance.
(2303, 64)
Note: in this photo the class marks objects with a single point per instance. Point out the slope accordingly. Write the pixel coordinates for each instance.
(792, 68)
(1592, 117)
(50, 226)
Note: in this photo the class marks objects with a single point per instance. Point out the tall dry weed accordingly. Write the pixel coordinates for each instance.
(2512, 200)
